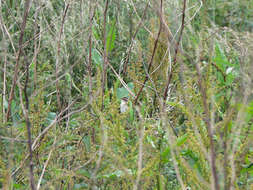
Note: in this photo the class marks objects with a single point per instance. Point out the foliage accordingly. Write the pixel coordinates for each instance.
(80, 140)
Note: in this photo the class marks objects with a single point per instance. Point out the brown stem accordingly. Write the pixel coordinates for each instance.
(207, 120)
(176, 52)
(218, 69)
(4, 86)
(132, 38)
(90, 52)
(152, 58)
(57, 59)
(36, 45)
(104, 74)
(28, 127)
(225, 163)
(90, 60)
(16, 69)
(140, 157)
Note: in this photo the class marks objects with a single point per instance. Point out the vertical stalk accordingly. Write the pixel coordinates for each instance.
(28, 126)
(207, 120)
(90, 59)
(225, 162)
(132, 37)
(152, 57)
(4, 87)
(140, 157)
(90, 51)
(36, 45)
(16, 69)
(104, 74)
(103, 128)
(57, 58)
(176, 52)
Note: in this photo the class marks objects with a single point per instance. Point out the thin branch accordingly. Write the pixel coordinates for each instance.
(152, 58)
(239, 123)
(176, 52)
(104, 81)
(165, 124)
(190, 111)
(13, 139)
(104, 74)
(91, 12)
(122, 81)
(25, 109)
(51, 125)
(4, 29)
(57, 58)
(36, 45)
(16, 69)
(140, 154)
(132, 39)
(46, 164)
(4, 86)
(207, 120)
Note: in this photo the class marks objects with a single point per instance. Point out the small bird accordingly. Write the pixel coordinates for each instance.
(123, 104)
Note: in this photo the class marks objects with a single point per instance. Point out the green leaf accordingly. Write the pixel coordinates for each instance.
(50, 118)
(17, 186)
(220, 58)
(182, 139)
(97, 58)
(165, 155)
(86, 141)
(95, 33)
(247, 168)
(68, 78)
(111, 36)
(83, 172)
(81, 186)
(113, 175)
(150, 140)
(123, 92)
(74, 85)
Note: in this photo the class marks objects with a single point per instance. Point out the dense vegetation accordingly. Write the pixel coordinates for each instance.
(185, 67)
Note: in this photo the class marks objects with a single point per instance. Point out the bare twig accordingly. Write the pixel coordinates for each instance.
(13, 139)
(16, 69)
(207, 120)
(103, 81)
(45, 165)
(170, 141)
(91, 12)
(57, 58)
(190, 112)
(140, 154)
(122, 81)
(51, 125)
(36, 45)
(104, 74)
(152, 57)
(176, 52)
(5, 30)
(132, 39)
(4, 86)
(25, 109)
(240, 120)
(100, 151)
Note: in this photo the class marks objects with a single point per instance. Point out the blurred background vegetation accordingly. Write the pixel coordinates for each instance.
(74, 60)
